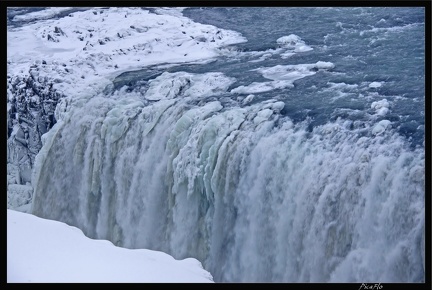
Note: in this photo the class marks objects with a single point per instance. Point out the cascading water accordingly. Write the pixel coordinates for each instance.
(239, 186)
(283, 158)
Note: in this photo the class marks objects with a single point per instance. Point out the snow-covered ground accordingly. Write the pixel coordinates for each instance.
(85, 50)
(41, 250)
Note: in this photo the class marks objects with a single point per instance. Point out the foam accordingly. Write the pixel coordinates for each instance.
(380, 127)
(381, 107)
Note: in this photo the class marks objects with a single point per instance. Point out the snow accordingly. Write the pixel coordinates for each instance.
(206, 149)
(287, 47)
(263, 57)
(341, 86)
(41, 250)
(19, 196)
(72, 54)
(375, 85)
(90, 48)
(260, 87)
(248, 99)
(262, 116)
(171, 85)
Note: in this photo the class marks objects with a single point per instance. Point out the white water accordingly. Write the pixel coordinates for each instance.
(251, 195)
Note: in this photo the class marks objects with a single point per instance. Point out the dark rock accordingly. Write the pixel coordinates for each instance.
(58, 31)
(32, 118)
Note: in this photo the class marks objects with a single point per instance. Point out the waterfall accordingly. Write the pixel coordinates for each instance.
(241, 187)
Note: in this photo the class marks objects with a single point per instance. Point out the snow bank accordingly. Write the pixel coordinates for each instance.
(40, 250)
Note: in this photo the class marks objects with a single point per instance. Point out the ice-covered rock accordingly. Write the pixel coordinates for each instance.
(19, 197)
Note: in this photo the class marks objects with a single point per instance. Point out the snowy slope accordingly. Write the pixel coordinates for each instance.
(40, 250)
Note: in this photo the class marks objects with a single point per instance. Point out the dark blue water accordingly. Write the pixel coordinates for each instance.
(17, 11)
(365, 44)
(378, 44)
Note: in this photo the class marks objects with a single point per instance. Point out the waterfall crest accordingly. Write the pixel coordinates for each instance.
(252, 195)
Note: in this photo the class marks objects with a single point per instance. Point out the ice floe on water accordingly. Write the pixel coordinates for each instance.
(375, 84)
(283, 76)
(293, 42)
(287, 46)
